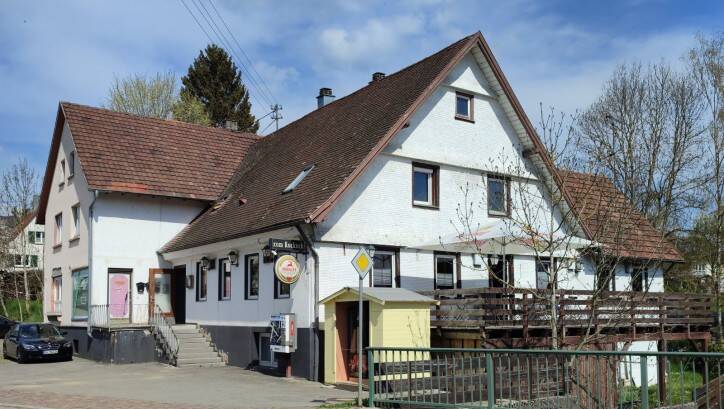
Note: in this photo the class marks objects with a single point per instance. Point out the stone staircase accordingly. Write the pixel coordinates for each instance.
(194, 348)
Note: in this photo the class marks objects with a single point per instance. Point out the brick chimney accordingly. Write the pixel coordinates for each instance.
(325, 97)
(377, 76)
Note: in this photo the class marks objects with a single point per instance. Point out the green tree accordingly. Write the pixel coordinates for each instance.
(188, 108)
(214, 79)
(142, 95)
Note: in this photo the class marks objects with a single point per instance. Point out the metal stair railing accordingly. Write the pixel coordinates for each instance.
(165, 333)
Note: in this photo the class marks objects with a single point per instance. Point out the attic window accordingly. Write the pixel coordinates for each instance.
(297, 180)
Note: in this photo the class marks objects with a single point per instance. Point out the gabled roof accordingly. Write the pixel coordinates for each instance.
(382, 295)
(612, 221)
(120, 152)
(340, 140)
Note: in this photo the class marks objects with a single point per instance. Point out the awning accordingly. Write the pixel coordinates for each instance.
(506, 237)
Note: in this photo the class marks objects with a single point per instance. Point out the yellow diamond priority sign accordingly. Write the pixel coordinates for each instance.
(362, 262)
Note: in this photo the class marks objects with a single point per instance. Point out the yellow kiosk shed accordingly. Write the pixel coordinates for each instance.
(393, 317)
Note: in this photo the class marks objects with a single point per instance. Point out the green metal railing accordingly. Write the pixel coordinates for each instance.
(508, 378)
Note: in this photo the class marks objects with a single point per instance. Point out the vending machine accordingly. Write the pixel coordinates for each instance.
(283, 333)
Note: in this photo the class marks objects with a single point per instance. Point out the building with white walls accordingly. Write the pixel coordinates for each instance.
(389, 167)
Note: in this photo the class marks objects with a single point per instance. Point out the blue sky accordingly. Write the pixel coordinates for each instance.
(556, 52)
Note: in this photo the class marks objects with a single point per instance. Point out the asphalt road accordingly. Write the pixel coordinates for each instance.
(85, 384)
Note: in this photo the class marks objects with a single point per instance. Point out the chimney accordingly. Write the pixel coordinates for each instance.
(325, 97)
(377, 76)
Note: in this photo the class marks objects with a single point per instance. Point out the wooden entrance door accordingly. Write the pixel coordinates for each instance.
(160, 291)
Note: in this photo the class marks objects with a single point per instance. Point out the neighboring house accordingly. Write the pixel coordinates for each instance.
(26, 247)
(193, 209)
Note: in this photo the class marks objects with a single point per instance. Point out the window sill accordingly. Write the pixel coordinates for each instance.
(201, 300)
(282, 297)
(57, 246)
(464, 119)
(251, 298)
(425, 206)
(54, 313)
(498, 215)
(74, 238)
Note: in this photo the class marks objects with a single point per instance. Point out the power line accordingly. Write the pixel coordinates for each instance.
(241, 49)
(223, 42)
(210, 21)
(226, 43)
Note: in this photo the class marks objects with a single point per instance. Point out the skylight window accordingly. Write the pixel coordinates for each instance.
(297, 180)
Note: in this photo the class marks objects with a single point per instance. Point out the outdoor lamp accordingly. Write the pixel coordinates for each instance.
(371, 250)
(140, 286)
(234, 257)
(494, 259)
(205, 263)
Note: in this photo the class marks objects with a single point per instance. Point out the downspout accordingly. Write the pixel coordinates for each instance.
(90, 257)
(314, 334)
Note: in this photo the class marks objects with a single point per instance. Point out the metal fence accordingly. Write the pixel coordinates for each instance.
(120, 315)
(501, 378)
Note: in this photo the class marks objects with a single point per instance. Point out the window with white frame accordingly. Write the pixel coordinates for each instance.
(498, 196)
(383, 269)
(75, 227)
(543, 273)
(445, 271)
(424, 185)
(56, 295)
(71, 164)
(58, 230)
(251, 273)
(224, 279)
(35, 237)
(62, 172)
(464, 106)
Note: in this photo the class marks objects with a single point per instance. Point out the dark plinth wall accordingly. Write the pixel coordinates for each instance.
(240, 344)
(123, 346)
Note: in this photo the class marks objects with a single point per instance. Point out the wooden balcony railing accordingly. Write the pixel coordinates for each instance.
(513, 308)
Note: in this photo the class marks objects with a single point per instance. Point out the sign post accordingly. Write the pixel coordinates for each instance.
(362, 262)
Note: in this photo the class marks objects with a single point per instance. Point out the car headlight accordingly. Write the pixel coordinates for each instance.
(30, 347)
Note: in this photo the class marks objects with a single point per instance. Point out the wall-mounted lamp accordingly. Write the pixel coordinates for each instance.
(371, 250)
(234, 258)
(140, 287)
(268, 254)
(494, 259)
(205, 263)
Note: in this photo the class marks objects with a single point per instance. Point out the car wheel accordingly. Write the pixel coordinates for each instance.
(20, 357)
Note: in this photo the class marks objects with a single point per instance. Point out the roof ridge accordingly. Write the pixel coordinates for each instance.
(378, 82)
(169, 121)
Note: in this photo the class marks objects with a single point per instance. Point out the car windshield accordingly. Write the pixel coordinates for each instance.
(38, 331)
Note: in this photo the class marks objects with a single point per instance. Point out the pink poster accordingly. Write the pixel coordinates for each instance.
(119, 294)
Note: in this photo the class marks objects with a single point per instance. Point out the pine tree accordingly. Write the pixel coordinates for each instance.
(214, 79)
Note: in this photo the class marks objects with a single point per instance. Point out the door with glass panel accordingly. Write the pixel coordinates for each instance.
(160, 289)
(119, 294)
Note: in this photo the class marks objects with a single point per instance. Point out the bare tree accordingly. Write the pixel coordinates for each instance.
(18, 190)
(706, 63)
(142, 95)
(643, 132)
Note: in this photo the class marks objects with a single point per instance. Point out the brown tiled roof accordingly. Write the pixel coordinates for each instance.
(612, 221)
(127, 153)
(339, 139)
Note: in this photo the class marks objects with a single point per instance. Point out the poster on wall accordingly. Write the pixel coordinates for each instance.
(119, 287)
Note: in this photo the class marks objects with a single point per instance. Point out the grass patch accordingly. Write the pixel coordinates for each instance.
(33, 314)
(682, 381)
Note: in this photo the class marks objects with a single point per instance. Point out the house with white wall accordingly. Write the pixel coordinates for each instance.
(26, 245)
(388, 168)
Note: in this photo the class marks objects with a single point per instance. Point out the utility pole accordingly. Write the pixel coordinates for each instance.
(276, 114)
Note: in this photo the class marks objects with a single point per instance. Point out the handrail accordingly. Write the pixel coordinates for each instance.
(165, 330)
(678, 354)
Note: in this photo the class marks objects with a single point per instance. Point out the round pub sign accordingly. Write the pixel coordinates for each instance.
(287, 269)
